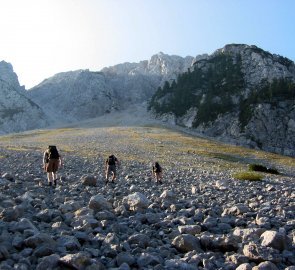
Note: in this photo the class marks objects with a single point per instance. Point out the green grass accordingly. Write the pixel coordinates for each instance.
(250, 176)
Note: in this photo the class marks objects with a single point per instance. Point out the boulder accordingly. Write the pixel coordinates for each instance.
(78, 260)
(89, 180)
(265, 266)
(244, 266)
(99, 203)
(186, 242)
(136, 201)
(48, 262)
(258, 253)
(274, 239)
(189, 229)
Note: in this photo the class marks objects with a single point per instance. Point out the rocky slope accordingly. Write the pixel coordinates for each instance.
(201, 218)
(239, 94)
(17, 112)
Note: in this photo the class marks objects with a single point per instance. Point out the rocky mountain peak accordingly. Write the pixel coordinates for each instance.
(234, 49)
(8, 76)
(166, 65)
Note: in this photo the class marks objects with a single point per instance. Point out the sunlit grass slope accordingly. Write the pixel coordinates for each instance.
(144, 144)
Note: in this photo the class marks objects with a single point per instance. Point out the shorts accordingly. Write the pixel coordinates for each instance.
(52, 165)
(111, 168)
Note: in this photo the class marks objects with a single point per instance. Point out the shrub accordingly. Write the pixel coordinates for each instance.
(261, 168)
(248, 176)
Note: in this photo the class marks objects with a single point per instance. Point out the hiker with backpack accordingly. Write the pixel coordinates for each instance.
(111, 164)
(51, 162)
(157, 172)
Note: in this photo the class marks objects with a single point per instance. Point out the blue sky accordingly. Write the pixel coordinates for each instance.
(43, 37)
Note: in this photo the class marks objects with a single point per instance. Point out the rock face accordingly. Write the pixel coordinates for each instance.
(17, 112)
(77, 95)
(73, 96)
(137, 82)
(239, 94)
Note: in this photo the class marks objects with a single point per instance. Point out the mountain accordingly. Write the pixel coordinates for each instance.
(17, 112)
(240, 94)
(77, 95)
(137, 82)
(73, 96)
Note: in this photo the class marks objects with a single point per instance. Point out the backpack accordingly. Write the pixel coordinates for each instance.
(157, 168)
(52, 152)
(111, 160)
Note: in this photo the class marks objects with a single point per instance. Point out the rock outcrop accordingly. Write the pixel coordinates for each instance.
(17, 112)
(73, 96)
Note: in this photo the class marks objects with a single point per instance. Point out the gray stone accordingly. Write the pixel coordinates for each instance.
(274, 239)
(48, 262)
(40, 239)
(139, 239)
(186, 242)
(99, 203)
(125, 257)
(265, 266)
(78, 260)
(146, 259)
(259, 253)
(136, 201)
(89, 180)
(71, 243)
(244, 266)
(189, 229)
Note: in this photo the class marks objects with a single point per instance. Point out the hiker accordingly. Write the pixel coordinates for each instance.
(111, 163)
(157, 172)
(51, 162)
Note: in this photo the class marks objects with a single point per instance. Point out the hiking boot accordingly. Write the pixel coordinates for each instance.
(50, 184)
(106, 182)
(55, 183)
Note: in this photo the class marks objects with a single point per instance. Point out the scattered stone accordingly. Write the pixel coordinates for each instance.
(198, 218)
(89, 180)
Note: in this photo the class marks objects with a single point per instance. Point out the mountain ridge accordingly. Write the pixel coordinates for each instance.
(240, 94)
(228, 109)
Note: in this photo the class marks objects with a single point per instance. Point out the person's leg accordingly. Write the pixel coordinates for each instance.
(160, 177)
(107, 174)
(54, 171)
(50, 178)
(157, 177)
(54, 176)
(114, 173)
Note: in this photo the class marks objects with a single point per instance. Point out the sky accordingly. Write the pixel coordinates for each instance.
(43, 37)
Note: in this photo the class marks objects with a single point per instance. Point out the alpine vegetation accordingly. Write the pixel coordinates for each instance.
(239, 94)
